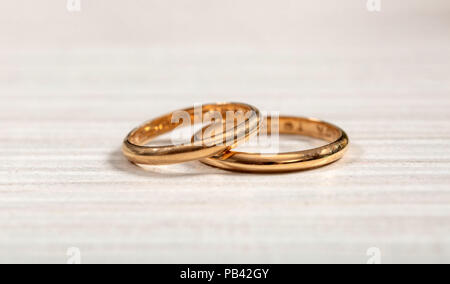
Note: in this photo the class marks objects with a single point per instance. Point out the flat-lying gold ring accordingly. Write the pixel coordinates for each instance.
(293, 161)
(134, 150)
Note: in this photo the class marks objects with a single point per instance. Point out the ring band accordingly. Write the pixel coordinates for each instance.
(135, 150)
(293, 161)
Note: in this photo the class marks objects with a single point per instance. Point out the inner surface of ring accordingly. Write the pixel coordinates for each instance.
(164, 124)
(305, 127)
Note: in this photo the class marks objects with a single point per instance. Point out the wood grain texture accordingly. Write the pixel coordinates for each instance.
(63, 182)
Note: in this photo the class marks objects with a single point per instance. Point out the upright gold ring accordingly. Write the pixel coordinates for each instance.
(135, 150)
(293, 161)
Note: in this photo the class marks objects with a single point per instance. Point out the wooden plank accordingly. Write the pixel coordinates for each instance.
(65, 111)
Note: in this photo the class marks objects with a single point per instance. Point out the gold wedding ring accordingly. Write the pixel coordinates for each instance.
(215, 149)
(135, 150)
(288, 162)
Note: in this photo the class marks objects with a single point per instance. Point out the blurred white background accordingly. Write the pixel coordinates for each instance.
(223, 46)
(259, 24)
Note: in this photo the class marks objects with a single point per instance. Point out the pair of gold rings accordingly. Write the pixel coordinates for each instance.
(215, 149)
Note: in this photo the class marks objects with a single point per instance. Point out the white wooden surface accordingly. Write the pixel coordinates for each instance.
(66, 104)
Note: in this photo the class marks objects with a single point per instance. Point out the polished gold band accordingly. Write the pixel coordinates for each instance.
(288, 162)
(135, 150)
